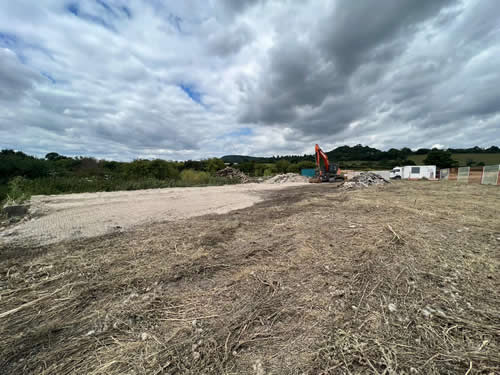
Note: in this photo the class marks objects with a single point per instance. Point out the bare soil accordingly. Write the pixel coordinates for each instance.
(402, 279)
(57, 218)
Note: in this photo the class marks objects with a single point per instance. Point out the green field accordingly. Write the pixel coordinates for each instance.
(488, 159)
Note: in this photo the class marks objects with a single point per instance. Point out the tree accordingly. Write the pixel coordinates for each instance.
(52, 156)
(282, 166)
(401, 162)
(214, 164)
(492, 149)
(422, 151)
(440, 158)
(247, 167)
(293, 168)
(470, 162)
(306, 165)
(406, 151)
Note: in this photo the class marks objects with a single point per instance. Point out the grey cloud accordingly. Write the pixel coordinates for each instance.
(361, 59)
(229, 41)
(296, 77)
(238, 6)
(145, 136)
(354, 29)
(15, 78)
(305, 71)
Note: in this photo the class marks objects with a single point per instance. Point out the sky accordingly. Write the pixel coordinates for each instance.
(177, 80)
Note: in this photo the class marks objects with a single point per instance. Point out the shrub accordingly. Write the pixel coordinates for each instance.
(214, 164)
(269, 172)
(282, 166)
(306, 165)
(17, 189)
(293, 168)
(192, 177)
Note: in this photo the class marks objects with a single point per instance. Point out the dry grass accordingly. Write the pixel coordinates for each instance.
(398, 280)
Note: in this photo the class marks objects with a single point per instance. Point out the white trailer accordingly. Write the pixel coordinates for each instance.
(414, 172)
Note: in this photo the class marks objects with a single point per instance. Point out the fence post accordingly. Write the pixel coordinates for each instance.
(444, 173)
(463, 174)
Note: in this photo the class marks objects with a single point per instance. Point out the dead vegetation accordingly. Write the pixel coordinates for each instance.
(399, 280)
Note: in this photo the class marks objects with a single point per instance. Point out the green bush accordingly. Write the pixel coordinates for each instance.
(17, 189)
(141, 168)
(192, 177)
(269, 172)
(306, 165)
(293, 168)
(214, 164)
(20, 188)
(282, 166)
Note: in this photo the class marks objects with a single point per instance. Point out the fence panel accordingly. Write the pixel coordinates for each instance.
(475, 175)
(490, 175)
(444, 174)
(453, 174)
(463, 174)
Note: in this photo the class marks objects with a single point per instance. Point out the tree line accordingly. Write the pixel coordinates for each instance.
(361, 153)
(22, 174)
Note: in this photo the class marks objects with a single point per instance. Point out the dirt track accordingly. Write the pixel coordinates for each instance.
(66, 217)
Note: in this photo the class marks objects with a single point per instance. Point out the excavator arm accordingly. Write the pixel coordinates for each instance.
(322, 155)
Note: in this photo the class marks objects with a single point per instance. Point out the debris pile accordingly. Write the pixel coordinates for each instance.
(363, 180)
(233, 173)
(286, 178)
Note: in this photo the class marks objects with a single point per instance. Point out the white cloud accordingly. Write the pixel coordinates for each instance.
(438, 146)
(121, 79)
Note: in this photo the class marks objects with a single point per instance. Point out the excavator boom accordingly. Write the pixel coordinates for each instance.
(322, 155)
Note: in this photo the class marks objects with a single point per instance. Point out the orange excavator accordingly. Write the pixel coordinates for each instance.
(329, 172)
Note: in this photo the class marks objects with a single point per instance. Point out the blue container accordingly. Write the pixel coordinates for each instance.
(309, 172)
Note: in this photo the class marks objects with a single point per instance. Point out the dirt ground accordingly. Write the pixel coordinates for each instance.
(72, 216)
(312, 280)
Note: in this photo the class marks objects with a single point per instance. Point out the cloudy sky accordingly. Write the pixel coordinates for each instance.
(192, 79)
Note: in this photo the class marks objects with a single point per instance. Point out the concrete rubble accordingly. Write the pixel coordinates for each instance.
(364, 179)
(233, 173)
(286, 178)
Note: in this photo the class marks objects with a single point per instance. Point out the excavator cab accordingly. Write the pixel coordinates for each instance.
(327, 175)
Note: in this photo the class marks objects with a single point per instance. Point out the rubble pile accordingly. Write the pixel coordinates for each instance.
(233, 173)
(363, 180)
(286, 178)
